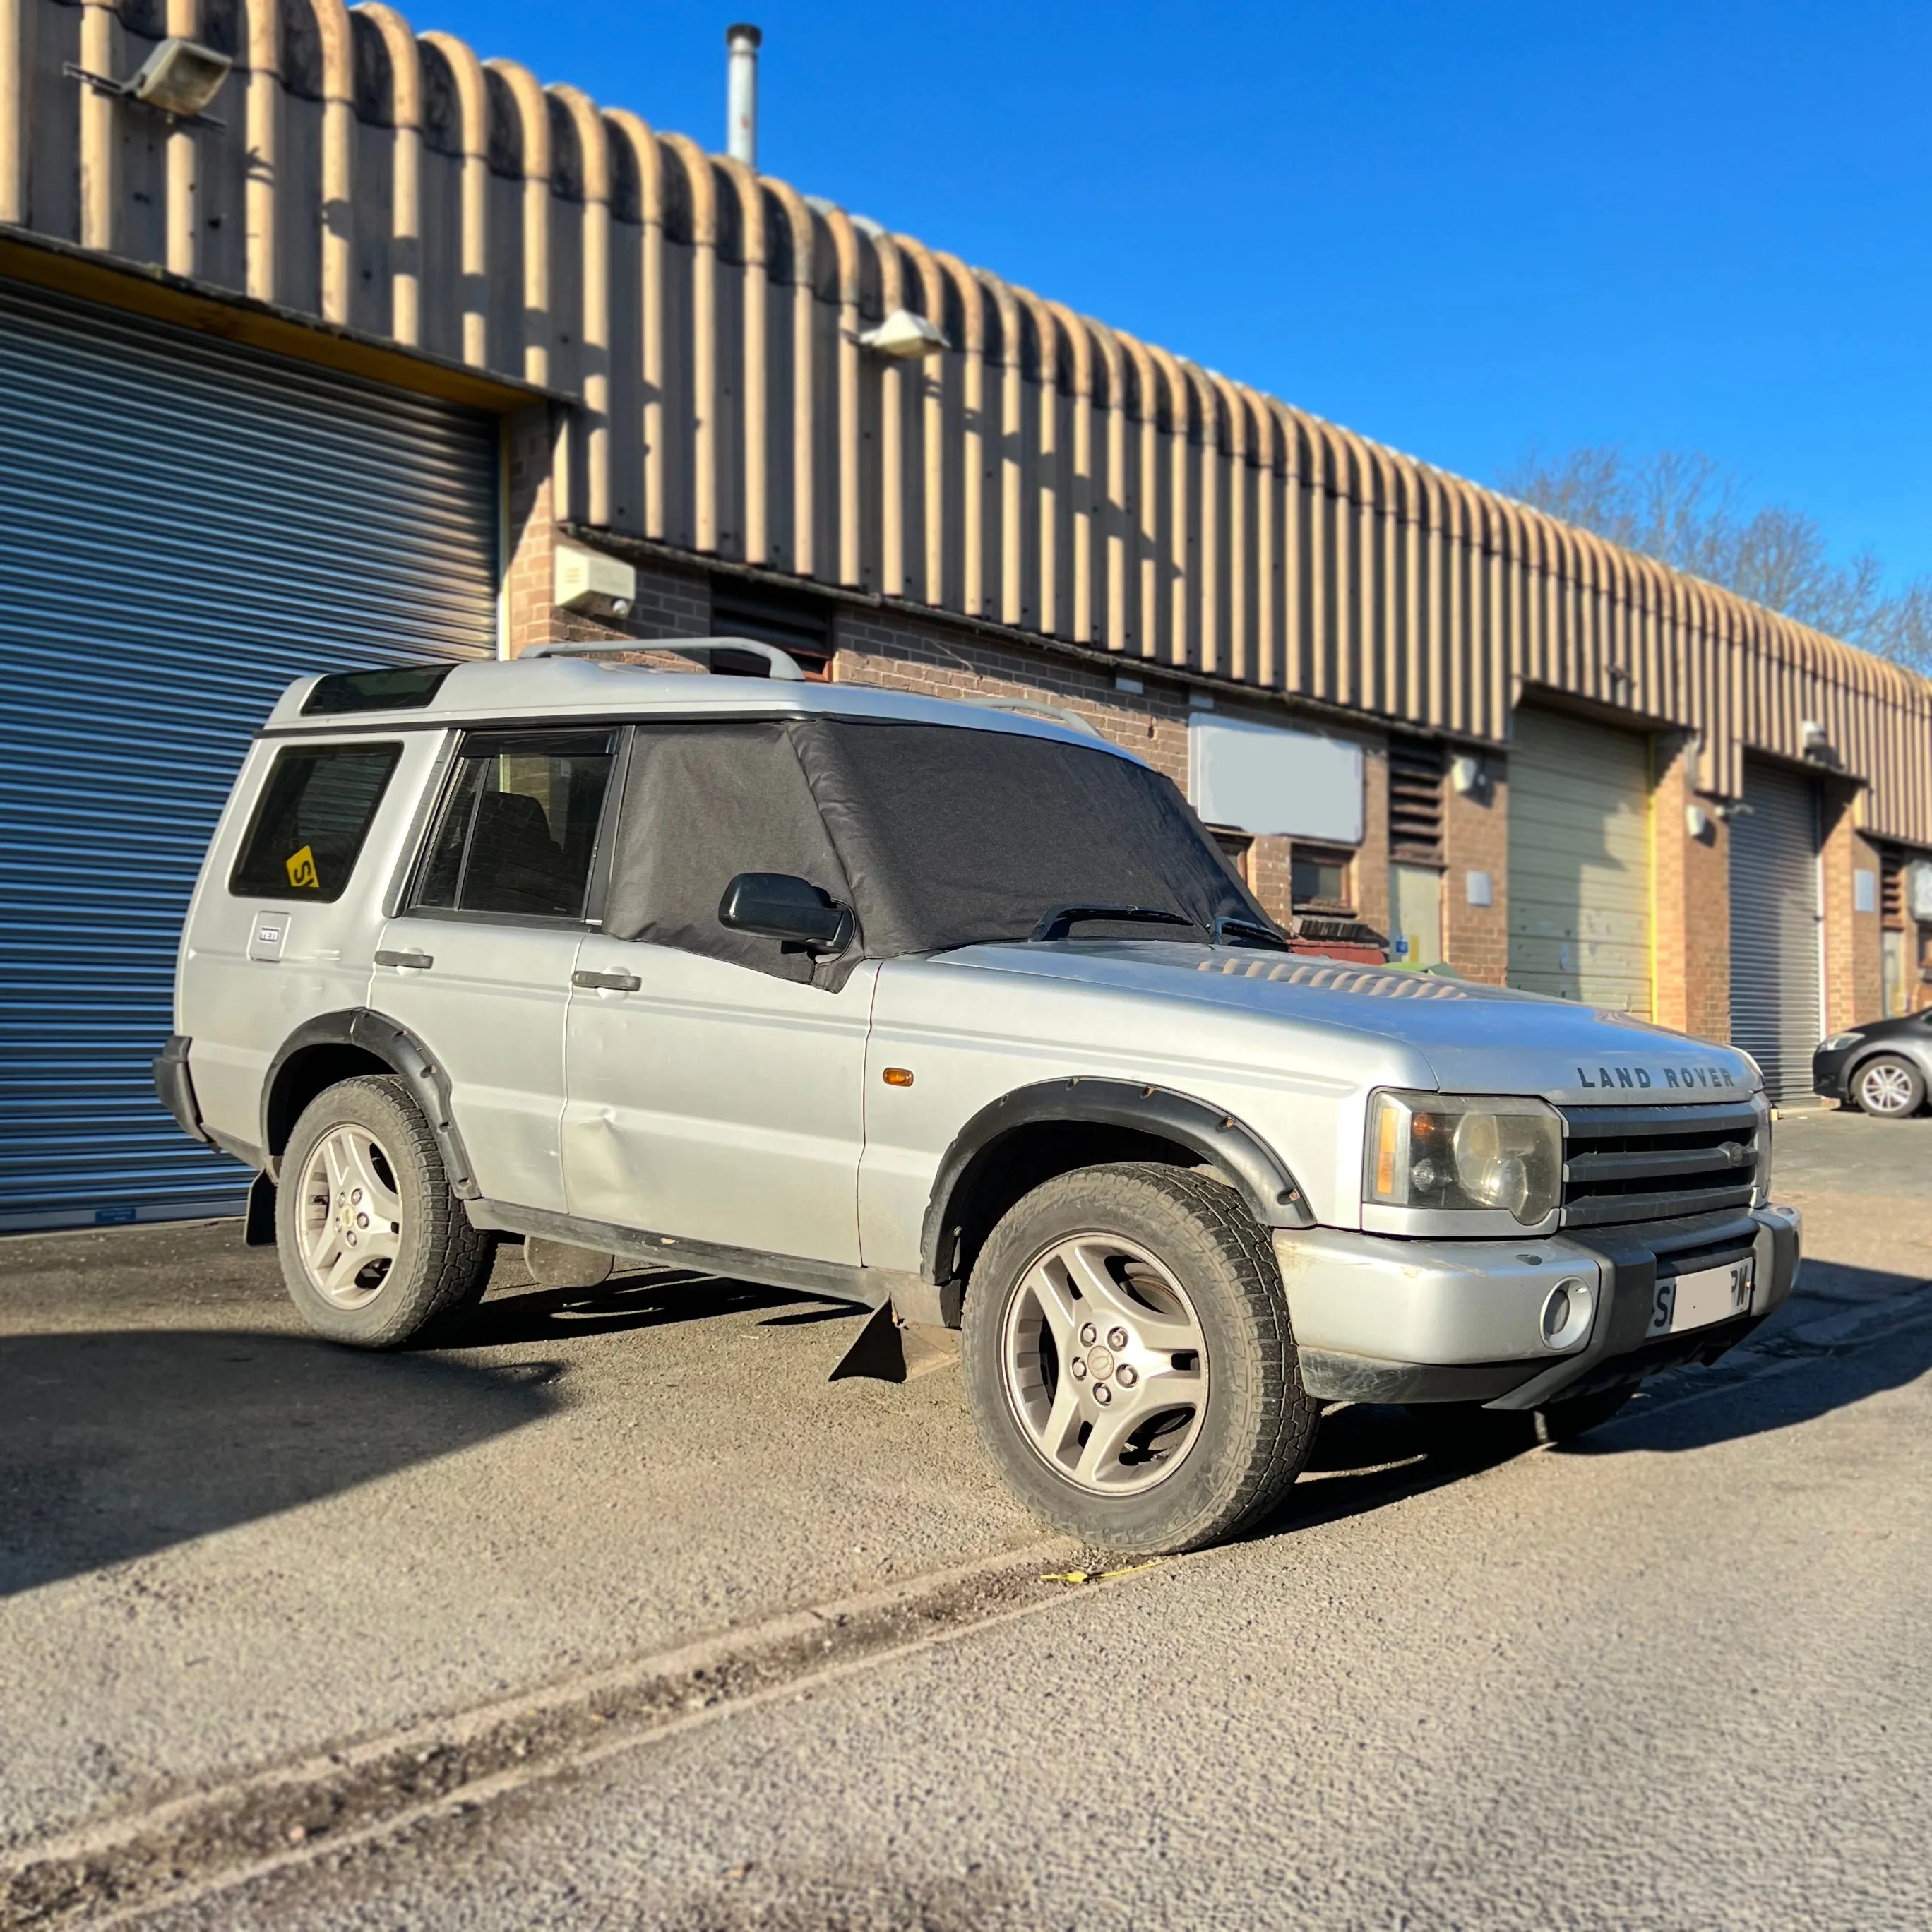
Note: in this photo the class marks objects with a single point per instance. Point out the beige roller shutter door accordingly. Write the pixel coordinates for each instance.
(1579, 861)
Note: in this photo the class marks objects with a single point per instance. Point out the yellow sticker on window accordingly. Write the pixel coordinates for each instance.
(301, 870)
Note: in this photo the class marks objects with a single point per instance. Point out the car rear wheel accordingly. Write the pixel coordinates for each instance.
(1129, 1360)
(375, 1250)
(1888, 1086)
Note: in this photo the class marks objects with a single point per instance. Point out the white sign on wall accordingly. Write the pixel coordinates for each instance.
(1260, 779)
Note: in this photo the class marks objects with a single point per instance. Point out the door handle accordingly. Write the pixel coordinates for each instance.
(419, 960)
(608, 983)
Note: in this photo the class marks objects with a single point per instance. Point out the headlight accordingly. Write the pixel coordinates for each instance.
(1465, 1154)
(1840, 1041)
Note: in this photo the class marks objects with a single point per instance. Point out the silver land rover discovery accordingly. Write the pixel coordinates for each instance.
(955, 1012)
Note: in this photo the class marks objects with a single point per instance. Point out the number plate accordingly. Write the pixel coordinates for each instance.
(1696, 1301)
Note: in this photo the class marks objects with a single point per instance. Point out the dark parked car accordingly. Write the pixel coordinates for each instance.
(1883, 1068)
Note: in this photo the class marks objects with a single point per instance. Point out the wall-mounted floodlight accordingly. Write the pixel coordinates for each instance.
(904, 337)
(178, 79)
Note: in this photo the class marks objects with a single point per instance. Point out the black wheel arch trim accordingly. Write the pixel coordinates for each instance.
(1273, 1194)
(403, 1053)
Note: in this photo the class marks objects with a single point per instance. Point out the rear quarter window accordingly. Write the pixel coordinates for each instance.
(314, 813)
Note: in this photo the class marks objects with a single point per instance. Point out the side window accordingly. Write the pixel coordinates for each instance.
(315, 812)
(518, 827)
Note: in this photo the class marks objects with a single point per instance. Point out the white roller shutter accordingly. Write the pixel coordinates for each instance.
(1579, 861)
(185, 526)
(1776, 982)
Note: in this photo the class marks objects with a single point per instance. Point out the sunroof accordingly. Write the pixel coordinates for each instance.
(408, 688)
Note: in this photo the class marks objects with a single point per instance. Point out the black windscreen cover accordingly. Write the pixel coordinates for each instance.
(936, 835)
(950, 836)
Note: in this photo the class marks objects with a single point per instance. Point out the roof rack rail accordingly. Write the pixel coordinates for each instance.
(1060, 714)
(784, 666)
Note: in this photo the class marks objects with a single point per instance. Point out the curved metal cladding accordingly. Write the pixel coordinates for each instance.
(184, 526)
(1045, 473)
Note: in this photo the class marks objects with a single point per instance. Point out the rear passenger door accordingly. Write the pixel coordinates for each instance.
(477, 963)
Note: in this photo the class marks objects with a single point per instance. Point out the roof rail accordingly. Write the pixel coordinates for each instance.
(1060, 714)
(784, 666)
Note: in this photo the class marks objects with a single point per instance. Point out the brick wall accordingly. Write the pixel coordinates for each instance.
(904, 653)
(1475, 838)
(671, 601)
(1690, 940)
(1854, 967)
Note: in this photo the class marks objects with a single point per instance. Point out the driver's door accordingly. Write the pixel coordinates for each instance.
(713, 1102)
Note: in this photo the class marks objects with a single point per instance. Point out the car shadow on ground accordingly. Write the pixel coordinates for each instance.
(1801, 1380)
(114, 1444)
(1366, 1457)
(645, 1299)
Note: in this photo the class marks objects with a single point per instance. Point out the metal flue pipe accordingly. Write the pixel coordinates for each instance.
(741, 133)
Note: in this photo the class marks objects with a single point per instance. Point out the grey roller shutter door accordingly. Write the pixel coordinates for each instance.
(1775, 998)
(184, 526)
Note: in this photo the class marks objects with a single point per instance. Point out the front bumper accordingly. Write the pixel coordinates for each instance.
(1380, 1319)
(1828, 1070)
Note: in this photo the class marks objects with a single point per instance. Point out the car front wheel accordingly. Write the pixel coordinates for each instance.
(1129, 1360)
(1888, 1086)
(376, 1249)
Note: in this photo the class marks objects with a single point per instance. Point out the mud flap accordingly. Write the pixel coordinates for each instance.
(892, 1349)
(879, 1354)
(258, 1224)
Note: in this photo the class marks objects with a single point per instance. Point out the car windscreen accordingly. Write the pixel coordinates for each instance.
(952, 836)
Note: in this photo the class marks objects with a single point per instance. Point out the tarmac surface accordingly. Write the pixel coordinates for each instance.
(662, 1629)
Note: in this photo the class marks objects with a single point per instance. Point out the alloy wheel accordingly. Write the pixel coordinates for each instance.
(1105, 1364)
(1886, 1087)
(350, 1221)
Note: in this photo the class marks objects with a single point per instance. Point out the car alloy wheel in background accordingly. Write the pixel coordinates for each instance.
(1889, 1087)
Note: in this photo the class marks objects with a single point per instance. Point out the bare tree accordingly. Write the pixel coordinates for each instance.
(1688, 510)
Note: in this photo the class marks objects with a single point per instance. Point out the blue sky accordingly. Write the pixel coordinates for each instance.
(1464, 229)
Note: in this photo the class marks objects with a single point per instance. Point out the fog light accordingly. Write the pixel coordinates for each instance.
(1566, 1313)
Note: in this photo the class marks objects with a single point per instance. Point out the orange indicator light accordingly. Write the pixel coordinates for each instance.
(1388, 1124)
(898, 1076)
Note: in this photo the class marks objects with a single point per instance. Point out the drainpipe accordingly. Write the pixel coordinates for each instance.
(741, 113)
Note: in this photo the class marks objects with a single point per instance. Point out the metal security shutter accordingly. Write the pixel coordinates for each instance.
(184, 526)
(1776, 1001)
(1579, 861)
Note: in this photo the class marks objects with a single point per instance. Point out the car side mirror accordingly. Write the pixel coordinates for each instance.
(776, 905)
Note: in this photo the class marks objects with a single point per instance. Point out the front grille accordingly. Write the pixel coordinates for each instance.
(1625, 1164)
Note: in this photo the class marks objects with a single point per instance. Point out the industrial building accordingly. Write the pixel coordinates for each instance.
(323, 344)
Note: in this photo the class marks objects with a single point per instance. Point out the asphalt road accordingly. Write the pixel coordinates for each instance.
(1674, 1677)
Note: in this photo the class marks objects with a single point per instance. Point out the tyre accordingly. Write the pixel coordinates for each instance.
(1129, 1360)
(375, 1250)
(1468, 1428)
(1888, 1086)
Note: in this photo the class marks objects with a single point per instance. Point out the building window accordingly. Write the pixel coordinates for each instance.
(1237, 848)
(1320, 879)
